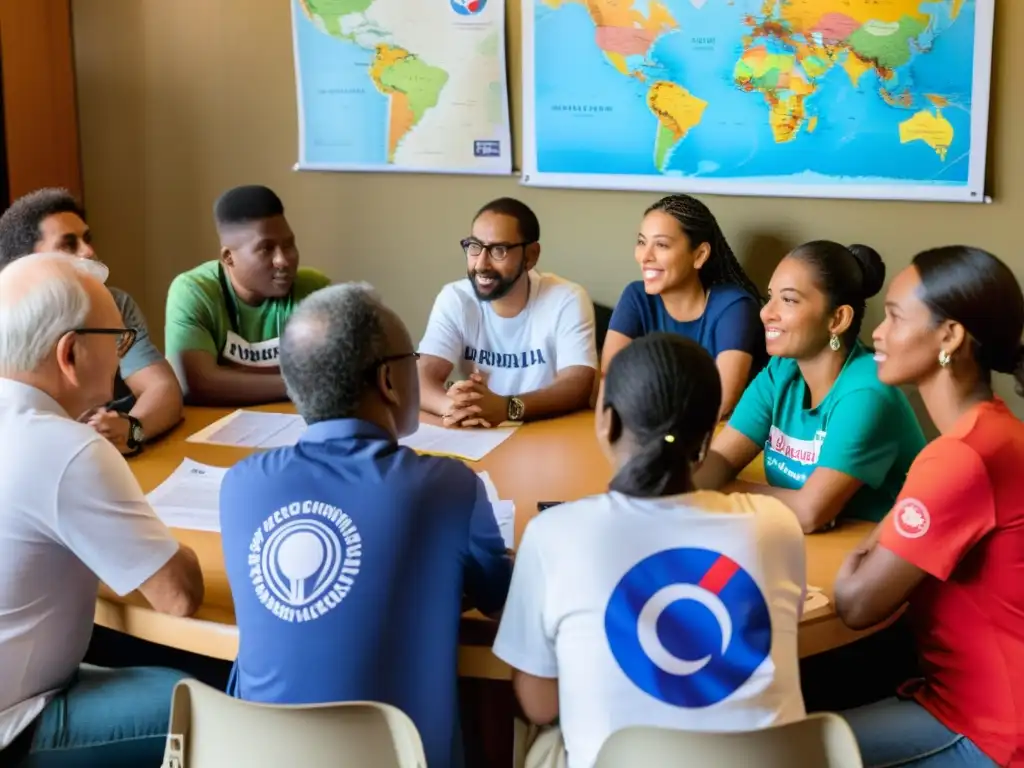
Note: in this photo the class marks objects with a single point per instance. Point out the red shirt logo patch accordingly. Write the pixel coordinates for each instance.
(911, 519)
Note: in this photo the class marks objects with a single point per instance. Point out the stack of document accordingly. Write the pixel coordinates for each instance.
(190, 498)
(259, 429)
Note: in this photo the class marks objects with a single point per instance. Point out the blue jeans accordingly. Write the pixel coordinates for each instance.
(900, 732)
(106, 717)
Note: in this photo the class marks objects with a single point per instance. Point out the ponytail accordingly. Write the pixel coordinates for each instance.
(651, 469)
(663, 392)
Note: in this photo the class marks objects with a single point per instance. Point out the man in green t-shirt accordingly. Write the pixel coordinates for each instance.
(224, 317)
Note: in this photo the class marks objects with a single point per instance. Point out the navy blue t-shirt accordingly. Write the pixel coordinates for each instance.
(348, 557)
(731, 320)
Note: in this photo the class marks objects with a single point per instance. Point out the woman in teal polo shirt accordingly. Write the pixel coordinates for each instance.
(837, 442)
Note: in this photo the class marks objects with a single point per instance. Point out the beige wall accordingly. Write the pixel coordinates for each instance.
(180, 99)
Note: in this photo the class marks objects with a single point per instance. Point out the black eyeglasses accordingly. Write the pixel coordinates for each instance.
(371, 369)
(498, 251)
(125, 336)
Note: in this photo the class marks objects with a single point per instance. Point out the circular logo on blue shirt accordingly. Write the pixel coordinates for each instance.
(303, 560)
(688, 626)
(468, 7)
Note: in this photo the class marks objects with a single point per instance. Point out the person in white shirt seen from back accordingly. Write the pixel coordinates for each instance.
(655, 604)
(519, 342)
(72, 514)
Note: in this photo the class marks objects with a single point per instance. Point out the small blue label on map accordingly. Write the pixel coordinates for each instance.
(489, 148)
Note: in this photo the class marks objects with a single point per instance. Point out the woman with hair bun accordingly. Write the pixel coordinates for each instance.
(953, 544)
(836, 441)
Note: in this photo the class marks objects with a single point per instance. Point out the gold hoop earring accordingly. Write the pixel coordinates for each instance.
(834, 343)
(944, 358)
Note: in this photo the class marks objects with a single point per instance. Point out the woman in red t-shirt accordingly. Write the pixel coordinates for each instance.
(953, 545)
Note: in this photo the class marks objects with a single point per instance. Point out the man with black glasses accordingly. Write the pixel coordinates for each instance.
(72, 515)
(348, 554)
(521, 342)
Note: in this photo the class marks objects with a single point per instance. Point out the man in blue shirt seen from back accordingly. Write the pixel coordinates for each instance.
(347, 554)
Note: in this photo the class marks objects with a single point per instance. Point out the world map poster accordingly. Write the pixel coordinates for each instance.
(402, 85)
(883, 99)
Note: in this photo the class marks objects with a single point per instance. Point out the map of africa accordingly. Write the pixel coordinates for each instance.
(388, 85)
(823, 98)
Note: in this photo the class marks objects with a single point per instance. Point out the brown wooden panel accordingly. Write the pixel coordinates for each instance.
(40, 110)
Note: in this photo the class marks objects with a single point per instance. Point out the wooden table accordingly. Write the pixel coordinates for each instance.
(557, 460)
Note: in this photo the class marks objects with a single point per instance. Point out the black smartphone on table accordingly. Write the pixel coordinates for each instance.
(542, 505)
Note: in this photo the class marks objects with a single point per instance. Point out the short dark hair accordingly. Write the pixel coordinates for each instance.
(245, 204)
(19, 225)
(700, 225)
(529, 225)
(328, 345)
(665, 391)
(975, 289)
(847, 275)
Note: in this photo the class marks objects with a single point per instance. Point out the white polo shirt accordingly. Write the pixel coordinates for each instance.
(71, 514)
(679, 612)
(518, 354)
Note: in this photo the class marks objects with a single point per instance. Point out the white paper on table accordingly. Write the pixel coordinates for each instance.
(814, 599)
(467, 444)
(190, 497)
(253, 429)
(504, 511)
(492, 489)
(505, 515)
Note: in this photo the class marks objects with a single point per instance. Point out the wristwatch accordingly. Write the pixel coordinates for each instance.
(136, 436)
(516, 409)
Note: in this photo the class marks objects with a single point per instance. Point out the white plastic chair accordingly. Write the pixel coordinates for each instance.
(209, 729)
(821, 740)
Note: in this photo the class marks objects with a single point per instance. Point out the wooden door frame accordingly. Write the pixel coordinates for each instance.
(40, 107)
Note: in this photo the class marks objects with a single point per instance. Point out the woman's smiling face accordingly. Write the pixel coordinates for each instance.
(665, 254)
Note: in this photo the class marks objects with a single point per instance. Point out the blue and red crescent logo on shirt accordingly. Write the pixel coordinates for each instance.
(468, 7)
(688, 626)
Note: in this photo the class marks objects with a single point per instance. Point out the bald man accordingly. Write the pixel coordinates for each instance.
(416, 533)
(72, 514)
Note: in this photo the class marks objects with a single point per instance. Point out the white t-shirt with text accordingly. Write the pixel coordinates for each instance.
(71, 514)
(680, 612)
(517, 354)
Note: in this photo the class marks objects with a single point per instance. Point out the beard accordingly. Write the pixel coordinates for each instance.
(497, 289)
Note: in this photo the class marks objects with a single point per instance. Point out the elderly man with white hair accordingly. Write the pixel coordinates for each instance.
(72, 514)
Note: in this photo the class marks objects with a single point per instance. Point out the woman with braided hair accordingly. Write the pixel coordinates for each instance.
(655, 604)
(693, 286)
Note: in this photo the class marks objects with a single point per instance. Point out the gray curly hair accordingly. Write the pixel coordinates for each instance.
(328, 345)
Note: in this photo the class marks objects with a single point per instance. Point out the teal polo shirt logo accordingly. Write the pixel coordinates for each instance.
(792, 456)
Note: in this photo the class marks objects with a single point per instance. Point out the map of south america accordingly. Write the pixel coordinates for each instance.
(412, 85)
(386, 84)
